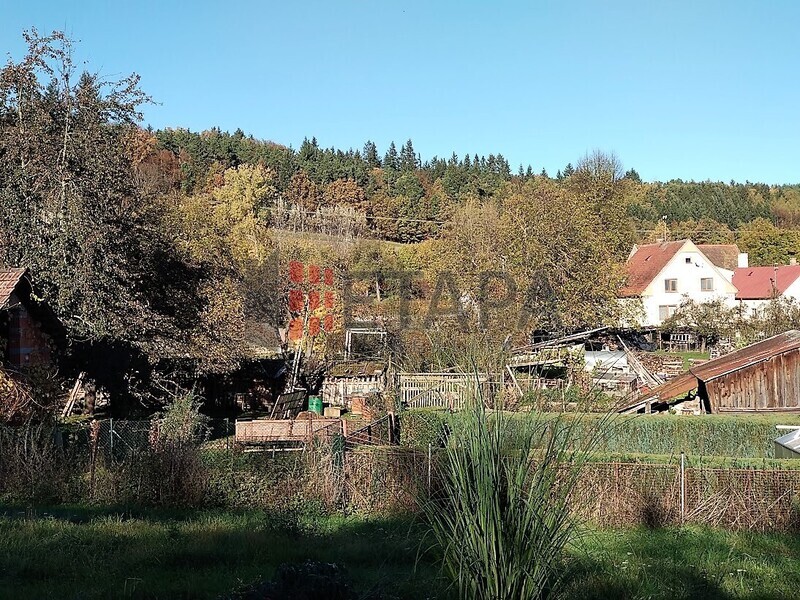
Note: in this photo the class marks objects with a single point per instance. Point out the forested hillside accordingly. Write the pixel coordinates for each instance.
(423, 193)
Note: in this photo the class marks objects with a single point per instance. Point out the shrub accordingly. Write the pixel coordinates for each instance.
(171, 471)
(418, 428)
(36, 465)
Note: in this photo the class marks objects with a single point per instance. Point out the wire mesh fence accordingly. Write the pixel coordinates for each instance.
(372, 472)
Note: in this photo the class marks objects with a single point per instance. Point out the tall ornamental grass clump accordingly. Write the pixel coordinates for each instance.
(499, 514)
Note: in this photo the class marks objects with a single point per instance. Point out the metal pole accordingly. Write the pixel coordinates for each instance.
(683, 486)
(111, 435)
(429, 468)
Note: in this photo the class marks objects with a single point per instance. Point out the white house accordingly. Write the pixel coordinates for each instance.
(661, 276)
(758, 285)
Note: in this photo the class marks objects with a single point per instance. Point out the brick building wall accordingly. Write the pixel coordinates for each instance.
(28, 346)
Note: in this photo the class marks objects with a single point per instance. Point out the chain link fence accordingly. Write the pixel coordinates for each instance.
(119, 439)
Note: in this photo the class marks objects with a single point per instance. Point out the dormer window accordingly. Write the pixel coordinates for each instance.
(670, 285)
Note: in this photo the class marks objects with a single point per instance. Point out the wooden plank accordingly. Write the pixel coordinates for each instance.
(514, 379)
(73, 395)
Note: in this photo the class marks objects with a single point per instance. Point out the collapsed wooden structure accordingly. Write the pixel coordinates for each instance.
(762, 377)
(307, 429)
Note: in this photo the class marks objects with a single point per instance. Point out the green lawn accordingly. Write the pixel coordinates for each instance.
(72, 554)
(688, 562)
(686, 356)
(171, 554)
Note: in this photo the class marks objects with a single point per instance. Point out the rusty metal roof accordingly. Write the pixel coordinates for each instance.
(748, 356)
(678, 386)
(735, 361)
(9, 279)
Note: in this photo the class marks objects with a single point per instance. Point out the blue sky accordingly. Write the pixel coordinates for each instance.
(677, 89)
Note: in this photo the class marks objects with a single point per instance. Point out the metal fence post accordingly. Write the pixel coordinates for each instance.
(683, 487)
(111, 437)
(429, 468)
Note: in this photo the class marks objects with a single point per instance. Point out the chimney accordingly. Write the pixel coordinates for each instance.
(742, 261)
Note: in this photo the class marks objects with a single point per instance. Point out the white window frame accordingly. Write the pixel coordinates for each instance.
(711, 285)
(666, 309)
(671, 286)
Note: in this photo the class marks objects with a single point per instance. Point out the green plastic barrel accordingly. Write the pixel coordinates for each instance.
(315, 404)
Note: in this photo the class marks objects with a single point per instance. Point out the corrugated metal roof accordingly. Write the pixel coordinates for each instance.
(735, 361)
(645, 263)
(751, 355)
(724, 256)
(746, 357)
(9, 278)
(678, 386)
(760, 283)
(788, 445)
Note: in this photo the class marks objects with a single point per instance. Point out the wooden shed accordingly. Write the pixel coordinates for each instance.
(763, 377)
(27, 328)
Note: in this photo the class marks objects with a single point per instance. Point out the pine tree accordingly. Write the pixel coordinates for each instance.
(408, 158)
(371, 155)
(633, 175)
(390, 161)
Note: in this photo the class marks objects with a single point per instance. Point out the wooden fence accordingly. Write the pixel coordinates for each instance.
(444, 390)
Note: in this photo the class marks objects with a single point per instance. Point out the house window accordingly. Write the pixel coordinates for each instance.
(665, 312)
(707, 284)
(688, 260)
(670, 285)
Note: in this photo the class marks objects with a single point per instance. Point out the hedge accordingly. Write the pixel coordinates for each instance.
(742, 436)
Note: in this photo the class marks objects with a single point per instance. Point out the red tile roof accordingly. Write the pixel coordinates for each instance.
(759, 283)
(9, 278)
(645, 263)
(724, 256)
